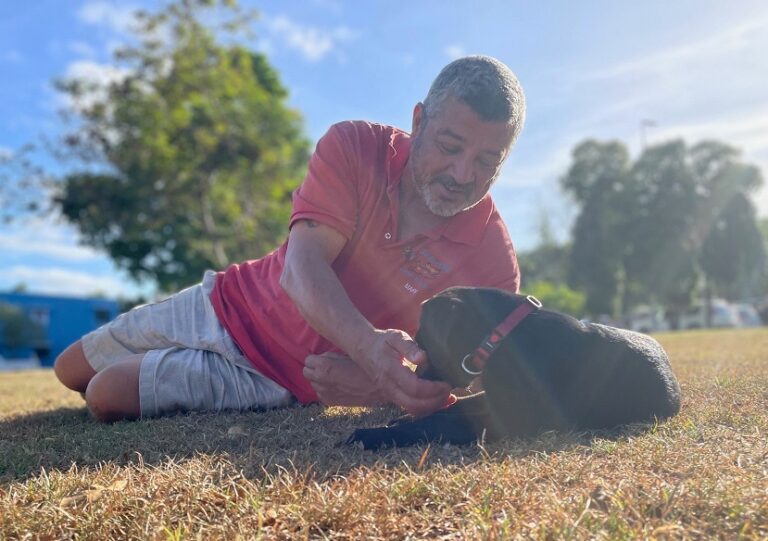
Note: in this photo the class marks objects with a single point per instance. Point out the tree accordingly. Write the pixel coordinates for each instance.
(547, 262)
(654, 230)
(598, 181)
(664, 250)
(18, 331)
(24, 185)
(733, 254)
(189, 157)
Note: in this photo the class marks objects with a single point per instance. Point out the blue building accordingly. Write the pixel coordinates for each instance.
(62, 320)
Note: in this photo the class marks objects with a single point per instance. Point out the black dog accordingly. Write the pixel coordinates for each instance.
(541, 370)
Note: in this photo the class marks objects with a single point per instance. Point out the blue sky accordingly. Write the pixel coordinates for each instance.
(698, 69)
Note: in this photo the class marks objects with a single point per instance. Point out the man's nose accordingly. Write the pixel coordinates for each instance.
(462, 170)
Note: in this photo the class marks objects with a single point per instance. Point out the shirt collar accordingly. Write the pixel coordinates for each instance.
(467, 227)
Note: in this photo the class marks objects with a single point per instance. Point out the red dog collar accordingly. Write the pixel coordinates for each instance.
(489, 344)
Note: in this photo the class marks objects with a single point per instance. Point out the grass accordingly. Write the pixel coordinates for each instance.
(282, 475)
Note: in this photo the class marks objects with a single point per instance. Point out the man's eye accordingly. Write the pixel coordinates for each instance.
(449, 149)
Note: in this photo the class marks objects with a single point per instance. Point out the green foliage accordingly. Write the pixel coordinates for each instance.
(598, 179)
(733, 253)
(548, 261)
(663, 254)
(192, 155)
(558, 296)
(653, 230)
(23, 185)
(17, 330)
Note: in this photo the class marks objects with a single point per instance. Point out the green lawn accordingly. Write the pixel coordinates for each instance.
(281, 474)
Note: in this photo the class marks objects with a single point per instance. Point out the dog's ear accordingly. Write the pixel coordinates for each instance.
(440, 316)
(452, 325)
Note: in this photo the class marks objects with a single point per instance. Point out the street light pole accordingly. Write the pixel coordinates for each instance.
(644, 124)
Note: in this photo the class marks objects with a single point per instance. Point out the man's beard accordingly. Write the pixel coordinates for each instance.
(425, 185)
(438, 205)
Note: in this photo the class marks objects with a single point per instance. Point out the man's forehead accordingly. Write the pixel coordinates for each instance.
(497, 145)
(457, 120)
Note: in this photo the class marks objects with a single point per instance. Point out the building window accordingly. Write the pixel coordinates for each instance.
(40, 315)
(102, 315)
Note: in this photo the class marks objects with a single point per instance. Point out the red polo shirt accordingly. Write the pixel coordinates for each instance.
(352, 186)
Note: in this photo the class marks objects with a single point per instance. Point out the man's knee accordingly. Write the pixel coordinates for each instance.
(72, 368)
(98, 400)
(113, 393)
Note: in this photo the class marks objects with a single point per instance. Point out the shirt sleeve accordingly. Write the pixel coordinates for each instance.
(506, 273)
(328, 194)
(511, 282)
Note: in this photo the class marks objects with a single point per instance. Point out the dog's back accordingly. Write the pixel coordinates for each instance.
(552, 372)
(635, 382)
(558, 373)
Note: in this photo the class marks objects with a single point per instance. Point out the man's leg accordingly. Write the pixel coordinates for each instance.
(179, 321)
(113, 393)
(72, 368)
(173, 380)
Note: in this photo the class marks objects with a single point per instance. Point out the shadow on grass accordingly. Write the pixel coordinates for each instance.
(297, 438)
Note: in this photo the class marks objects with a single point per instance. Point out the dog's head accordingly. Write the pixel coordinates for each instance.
(454, 322)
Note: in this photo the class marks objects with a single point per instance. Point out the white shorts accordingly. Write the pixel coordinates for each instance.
(190, 361)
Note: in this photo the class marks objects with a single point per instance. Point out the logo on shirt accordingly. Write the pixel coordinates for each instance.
(421, 267)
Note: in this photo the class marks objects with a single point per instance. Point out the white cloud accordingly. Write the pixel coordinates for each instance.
(44, 237)
(747, 131)
(710, 87)
(93, 72)
(100, 75)
(682, 58)
(455, 51)
(44, 254)
(697, 78)
(47, 247)
(57, 281)
(313, 43)
(5, 153)
(118, 18)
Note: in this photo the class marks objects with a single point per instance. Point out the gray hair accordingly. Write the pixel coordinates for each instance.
(485, 84)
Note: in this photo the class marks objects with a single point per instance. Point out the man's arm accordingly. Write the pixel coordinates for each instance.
(311, 283)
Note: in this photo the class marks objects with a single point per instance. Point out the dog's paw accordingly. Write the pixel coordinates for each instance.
(400, 420)
(372, 438)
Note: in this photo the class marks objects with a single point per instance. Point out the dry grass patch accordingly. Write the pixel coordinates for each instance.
(282, 474)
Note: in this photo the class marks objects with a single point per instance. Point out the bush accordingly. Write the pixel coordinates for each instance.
(558, 297)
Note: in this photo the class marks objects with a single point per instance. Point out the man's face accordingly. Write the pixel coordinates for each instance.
(456, 156)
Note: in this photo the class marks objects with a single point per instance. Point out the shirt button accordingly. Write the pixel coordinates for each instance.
(387, 236)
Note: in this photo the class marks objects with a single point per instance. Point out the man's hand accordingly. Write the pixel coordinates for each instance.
(310, 281)
(382, 358)
(339, 381)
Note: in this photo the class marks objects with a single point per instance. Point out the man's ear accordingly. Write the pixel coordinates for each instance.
(418, 119)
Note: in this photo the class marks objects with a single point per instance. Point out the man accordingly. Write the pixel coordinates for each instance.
(382, 222)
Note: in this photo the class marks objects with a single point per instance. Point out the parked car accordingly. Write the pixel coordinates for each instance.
(748, 315)
(724, 314)
(647, 319)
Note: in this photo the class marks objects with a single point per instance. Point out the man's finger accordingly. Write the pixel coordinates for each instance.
(309, 372)
(429, 395)
(418, 406)
(413, 385)
(409, 349)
